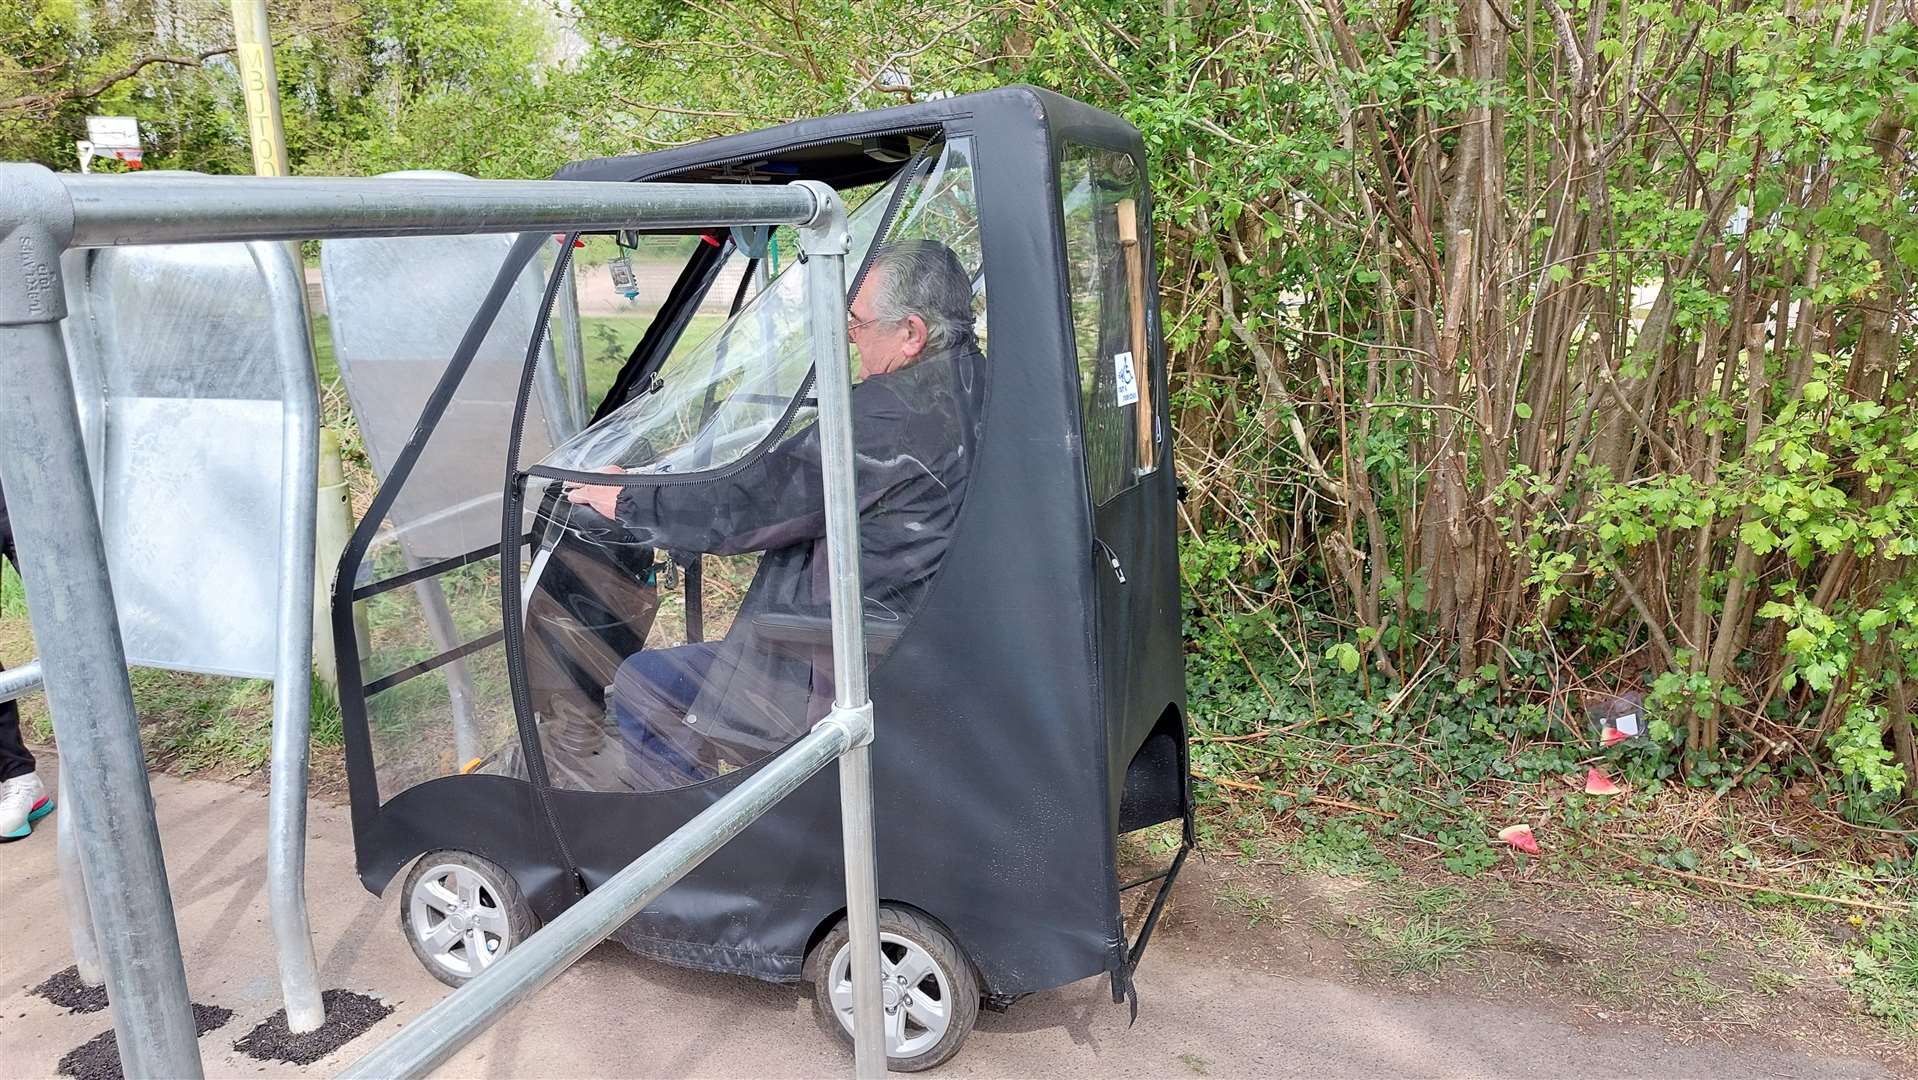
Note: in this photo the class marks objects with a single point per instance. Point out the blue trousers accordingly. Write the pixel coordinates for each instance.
(652, 695)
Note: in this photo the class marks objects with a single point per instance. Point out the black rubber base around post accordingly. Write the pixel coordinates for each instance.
(348, 1016)
(99, 1057)
(65, 989)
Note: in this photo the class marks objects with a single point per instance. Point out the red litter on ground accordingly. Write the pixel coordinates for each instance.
(1613, 736)
(1520, 837)
(1597, 783)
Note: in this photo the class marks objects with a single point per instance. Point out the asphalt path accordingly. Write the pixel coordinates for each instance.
(616, 1015)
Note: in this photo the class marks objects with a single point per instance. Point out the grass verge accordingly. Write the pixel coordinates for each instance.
(1884, 972)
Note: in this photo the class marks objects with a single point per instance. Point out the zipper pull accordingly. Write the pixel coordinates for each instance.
(1111, 558)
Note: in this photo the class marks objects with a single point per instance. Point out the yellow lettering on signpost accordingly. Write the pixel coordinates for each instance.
(262, 87)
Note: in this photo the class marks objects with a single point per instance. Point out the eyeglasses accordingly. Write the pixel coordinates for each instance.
(854, 326)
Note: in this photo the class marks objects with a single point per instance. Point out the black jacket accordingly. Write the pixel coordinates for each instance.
(915, 433)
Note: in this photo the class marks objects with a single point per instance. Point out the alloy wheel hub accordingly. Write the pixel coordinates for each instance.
(914, 994)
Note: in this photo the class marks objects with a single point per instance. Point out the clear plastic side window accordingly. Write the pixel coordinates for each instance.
(679, 631)
(396, 312)
(427, 624)
(432, 668)
(1105, 270)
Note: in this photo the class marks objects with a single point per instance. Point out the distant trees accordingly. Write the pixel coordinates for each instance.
(366, 85)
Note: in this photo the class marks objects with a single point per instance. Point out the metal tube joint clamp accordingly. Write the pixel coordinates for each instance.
(856, 723)
(36, 223)
(828, 232)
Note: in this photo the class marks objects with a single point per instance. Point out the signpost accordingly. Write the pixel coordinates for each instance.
(261, 83)
(286, 819)
(116, 137)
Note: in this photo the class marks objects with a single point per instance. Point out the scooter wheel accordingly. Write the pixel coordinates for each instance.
(460, 913)
(929, 992)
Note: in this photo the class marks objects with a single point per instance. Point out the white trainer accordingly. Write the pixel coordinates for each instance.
(23, 801)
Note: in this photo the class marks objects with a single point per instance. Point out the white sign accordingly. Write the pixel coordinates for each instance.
(1123, 379)
(108, 133)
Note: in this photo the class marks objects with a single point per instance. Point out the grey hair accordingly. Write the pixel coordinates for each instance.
(924, 278)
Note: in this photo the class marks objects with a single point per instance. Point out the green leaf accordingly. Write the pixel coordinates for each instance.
(1761, 539)
(1524, 411)
(1345, 655)
(1821, 676)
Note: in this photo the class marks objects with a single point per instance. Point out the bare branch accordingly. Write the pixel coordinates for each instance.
(33, 103)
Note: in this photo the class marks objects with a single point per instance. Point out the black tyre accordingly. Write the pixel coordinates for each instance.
(931, 993)
(460, 913)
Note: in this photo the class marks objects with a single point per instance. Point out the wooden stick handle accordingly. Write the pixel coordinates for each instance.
(1141, 359)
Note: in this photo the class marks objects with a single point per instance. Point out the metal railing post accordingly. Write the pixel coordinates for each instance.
(825, 241)
(43, 467)
(73, 890)
(293, 678)
(17, 682)
(116, 211)
(14, 683)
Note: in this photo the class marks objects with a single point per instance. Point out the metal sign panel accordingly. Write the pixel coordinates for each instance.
(178, 385)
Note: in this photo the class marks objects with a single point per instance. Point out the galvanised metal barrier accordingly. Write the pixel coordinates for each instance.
(44, 470)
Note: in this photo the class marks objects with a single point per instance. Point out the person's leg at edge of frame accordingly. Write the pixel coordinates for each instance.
(23, 798)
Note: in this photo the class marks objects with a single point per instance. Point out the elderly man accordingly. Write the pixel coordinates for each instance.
(693, 711)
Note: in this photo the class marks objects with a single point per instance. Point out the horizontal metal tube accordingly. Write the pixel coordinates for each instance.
(440, 1032)
(17, 681)
(111, 211)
